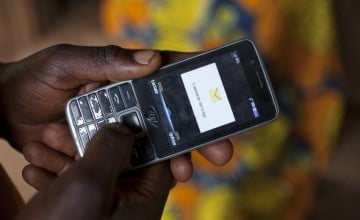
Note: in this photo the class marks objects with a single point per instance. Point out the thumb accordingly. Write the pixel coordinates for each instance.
(90, 183)
(108, 152)
(77, 65)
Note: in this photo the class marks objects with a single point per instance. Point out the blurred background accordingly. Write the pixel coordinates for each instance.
(28, 26)
(303, 166)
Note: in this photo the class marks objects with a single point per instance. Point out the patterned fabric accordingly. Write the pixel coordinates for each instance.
(275, 169)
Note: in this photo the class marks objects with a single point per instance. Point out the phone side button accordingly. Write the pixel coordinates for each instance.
(142, 152)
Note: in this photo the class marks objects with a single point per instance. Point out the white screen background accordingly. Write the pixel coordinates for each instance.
(207, 97)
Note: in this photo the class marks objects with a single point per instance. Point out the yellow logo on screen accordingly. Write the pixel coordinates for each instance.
(215, 95)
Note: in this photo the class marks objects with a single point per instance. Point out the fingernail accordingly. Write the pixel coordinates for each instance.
(144, 56)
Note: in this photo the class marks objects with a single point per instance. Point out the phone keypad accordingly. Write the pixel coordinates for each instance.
(105, 102)
(92, 130)
(132, 121)
(101, 124)
(84, 137)
(95, 106)
(79, 120)
(93, 111)
(116, 99)
(85, 109)
(128, 95)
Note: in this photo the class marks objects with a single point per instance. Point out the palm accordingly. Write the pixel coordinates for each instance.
(30, 103)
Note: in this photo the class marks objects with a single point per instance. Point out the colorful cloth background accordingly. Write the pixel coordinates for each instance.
(275, 169)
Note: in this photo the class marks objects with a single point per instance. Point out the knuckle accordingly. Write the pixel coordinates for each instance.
(55, 61)
(31, 153)
(56, 53)
(105, 55)
(51, 134)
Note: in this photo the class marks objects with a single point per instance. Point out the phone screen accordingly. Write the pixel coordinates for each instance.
(192, 102)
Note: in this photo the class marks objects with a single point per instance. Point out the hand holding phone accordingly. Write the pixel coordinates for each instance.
(183, 106)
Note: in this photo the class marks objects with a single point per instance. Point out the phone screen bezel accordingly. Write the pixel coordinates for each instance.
(257, 79)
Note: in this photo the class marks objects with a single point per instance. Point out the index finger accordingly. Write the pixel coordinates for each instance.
(218, 153)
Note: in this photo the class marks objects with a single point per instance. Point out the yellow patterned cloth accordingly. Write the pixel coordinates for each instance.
(275, 169)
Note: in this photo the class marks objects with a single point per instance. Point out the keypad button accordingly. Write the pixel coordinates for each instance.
(92, 130)
(116, 99)
(85, 109)
(84, 136)
(95, 106)
(132, 121)
(111, 120)
(101, 124)
(75, 111)
(105, 102)
(142, 152)
(128, 95)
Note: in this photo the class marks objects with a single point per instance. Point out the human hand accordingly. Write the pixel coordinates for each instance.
(99, 187)
(33, 93)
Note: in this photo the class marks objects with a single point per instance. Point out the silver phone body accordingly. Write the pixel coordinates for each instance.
(129, 104)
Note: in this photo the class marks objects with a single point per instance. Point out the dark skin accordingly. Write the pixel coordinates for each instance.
(92, 189)
(52, 76)
(33, 93)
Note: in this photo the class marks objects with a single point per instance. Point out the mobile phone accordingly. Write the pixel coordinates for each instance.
(183, 106)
